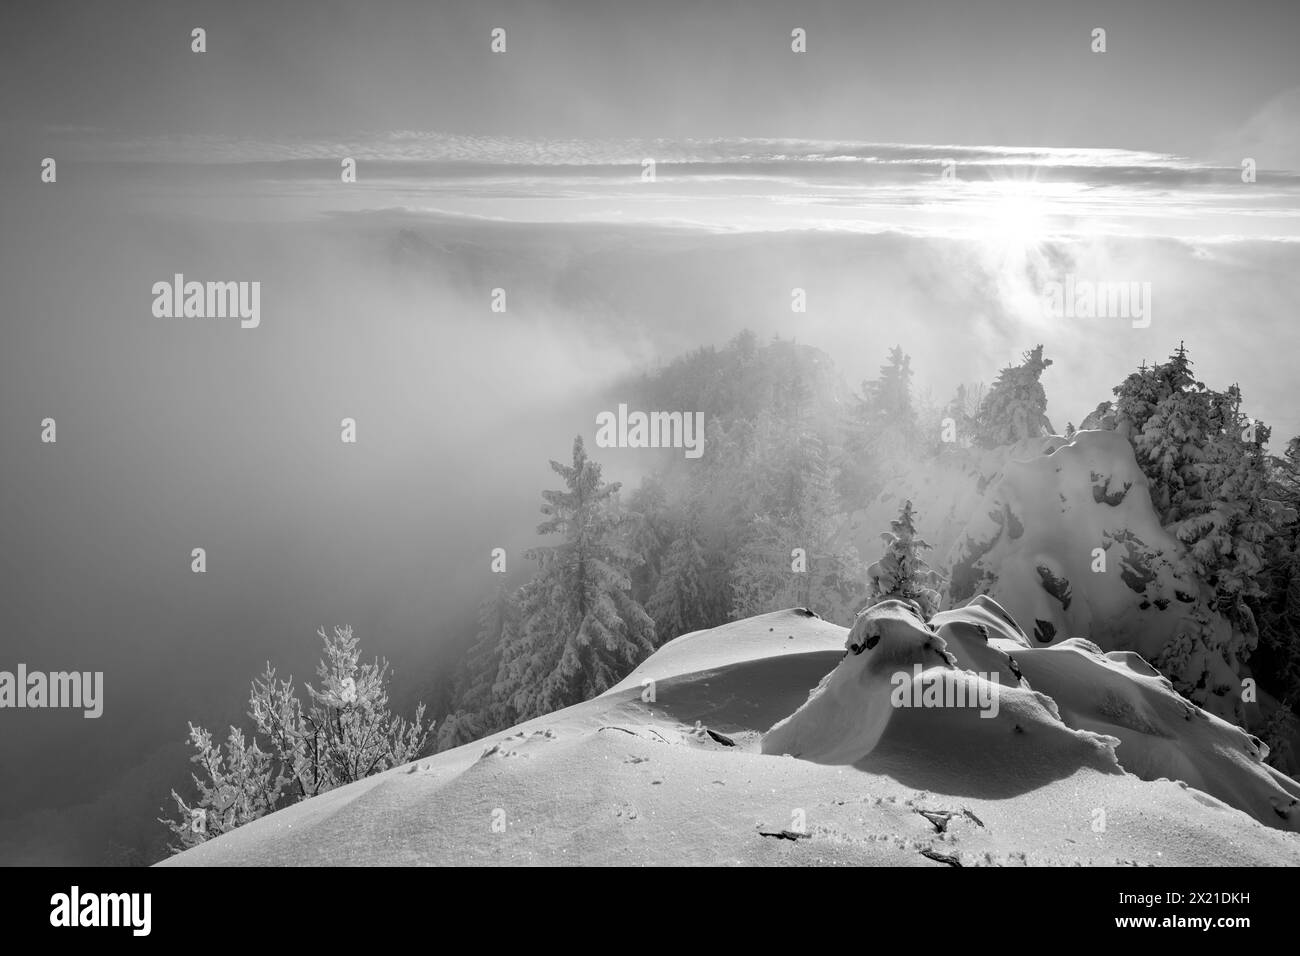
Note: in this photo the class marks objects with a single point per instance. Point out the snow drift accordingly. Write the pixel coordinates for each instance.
(673, 766)
(1054, 710)
(899, 689)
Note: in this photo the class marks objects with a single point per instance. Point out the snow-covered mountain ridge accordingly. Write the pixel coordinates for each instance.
(682, 763)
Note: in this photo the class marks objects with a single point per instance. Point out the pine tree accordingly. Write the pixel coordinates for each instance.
(1207, 475)
(1229, 526)
(475, 713)
(1015, 407)
(963, 410)
(1171, 441)
(890, 396)
(649, 535)
(1101, 418)
(1135, 400)
(1277, 606)
(901, 573)
(762, 578)
(580, 629)
(1210, 483)
(881, 429)
(794, 506)
(679, 604)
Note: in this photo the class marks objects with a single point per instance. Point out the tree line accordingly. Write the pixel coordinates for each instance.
(761, 523)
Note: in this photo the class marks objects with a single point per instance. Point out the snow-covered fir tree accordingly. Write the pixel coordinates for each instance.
(1214, 487)
(1228, 528)
(790, 552)
(963, 411)
(1135, 400)
(580, 630)
(678, 603)
(1277, 608)
(890, 395)
(1101, 418)
(902, 573)
(475, 712)
(1015, 407)
(881, 430)
(1207, 473)
(1171, 435)
(650, 532)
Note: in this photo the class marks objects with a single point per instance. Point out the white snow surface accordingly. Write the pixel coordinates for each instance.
(1062, 534)
(1059, 708)
(685, 770)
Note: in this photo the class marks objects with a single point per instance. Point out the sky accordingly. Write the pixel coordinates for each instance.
(774, 170)
(1176, 76)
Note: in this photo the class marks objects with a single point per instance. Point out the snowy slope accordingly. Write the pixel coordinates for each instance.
(944, 493)
(1024, 523)
(1070, 544)
(1057, 709)
(684, 779)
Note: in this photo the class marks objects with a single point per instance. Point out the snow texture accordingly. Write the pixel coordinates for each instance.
(1062, 533)
(639, 776)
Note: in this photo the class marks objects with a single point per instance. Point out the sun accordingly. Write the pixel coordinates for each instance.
(1014, 218)
(1013, 224)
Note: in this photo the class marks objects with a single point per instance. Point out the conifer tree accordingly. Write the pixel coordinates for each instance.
(901, 573)
(1212, 486)
(794, 506)
(1228, 526)
(1207, 475)
(679, 604)
(649, 535)
(881, 429)
(580, 629)
(1135, 400)
(963, 409)
(890, 396)
(476, 713)
(1171, 440)
(1015, 407)
(1277, 607)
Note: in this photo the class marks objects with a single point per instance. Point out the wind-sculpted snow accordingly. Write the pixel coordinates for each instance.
(1057, 708)
(672, 767)
(1160, 732)
(900, 688)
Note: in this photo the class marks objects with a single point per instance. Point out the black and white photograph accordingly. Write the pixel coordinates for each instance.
(657, 435)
